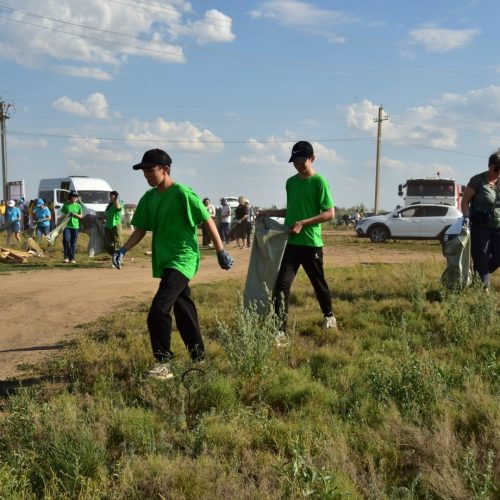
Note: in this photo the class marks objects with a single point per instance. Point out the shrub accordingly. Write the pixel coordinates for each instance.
(290, 389)
(248, 342)
(414, 385)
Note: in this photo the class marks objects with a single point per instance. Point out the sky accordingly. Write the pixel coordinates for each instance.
(227, 88)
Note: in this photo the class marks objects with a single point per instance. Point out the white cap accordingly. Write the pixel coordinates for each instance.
(11, 203)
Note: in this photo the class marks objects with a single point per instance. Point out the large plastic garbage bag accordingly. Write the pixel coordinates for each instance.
(268, 247)
(456, 249)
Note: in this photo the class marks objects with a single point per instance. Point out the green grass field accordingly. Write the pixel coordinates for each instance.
(402, 402)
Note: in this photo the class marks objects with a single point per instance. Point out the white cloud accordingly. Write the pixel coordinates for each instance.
(276, 152)
(214, 27)
(484, 102)
(17, 143)
(119, 30)
(467, 121)
(360, 115)
(440, 40)
(477, 109)
(95, 106)
(407, 169)
(94, 151)
(84, 72)
(304, 16)
(424, 125)
(181, 135)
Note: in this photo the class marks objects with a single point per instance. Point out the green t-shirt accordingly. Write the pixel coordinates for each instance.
(307, 198)
(113, 215)
(483, 200)
(173, 216)
(76, 208)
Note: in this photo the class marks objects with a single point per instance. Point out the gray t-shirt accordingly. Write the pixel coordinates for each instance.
(483, 201)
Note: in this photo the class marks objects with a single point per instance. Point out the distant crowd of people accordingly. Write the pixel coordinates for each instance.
(20, 216)
(232, 226)
(17, 216)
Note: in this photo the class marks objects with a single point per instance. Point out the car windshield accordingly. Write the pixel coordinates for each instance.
(94, 196)
(430, 188)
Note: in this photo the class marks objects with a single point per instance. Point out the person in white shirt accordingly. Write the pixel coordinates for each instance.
(225, 221)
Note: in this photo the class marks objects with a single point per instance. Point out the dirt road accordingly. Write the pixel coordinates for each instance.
(39, 309)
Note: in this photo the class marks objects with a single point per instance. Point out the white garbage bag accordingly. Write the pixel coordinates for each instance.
(456, 249)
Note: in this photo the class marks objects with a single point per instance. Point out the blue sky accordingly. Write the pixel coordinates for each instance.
(227, 87)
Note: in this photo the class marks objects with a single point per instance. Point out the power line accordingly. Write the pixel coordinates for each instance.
(241, 141)
(344, 69)
(34, 14)
(424, 146)
(39, 16)
(185, 141)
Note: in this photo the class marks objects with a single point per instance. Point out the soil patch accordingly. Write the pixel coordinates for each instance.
(40, 309)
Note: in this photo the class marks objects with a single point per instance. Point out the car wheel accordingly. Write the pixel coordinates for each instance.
(379, 234)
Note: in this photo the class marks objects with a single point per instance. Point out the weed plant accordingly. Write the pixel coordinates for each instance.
(400, 402)
(249, 339)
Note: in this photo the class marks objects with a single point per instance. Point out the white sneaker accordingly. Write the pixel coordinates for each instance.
(329, 322)
(281, 339)
(161, 371)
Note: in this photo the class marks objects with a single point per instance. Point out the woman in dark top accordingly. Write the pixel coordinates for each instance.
(481, 209)
(241, 216)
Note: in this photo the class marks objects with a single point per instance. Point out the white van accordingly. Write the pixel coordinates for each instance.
(93, 193)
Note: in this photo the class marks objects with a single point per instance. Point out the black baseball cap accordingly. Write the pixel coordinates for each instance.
(72, 194)
(152, 158)
(301, 151)
(114, 193)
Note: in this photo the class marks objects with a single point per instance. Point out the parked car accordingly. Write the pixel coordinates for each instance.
(232, 201)
(422, 221)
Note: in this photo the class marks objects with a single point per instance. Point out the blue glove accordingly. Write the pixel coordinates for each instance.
(225, 260)
(117, 258)
(466, 221)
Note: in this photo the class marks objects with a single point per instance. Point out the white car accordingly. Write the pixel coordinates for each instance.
(232, 201)
(419, 221)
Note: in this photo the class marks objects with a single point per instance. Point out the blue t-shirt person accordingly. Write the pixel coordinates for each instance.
(13, 214)
(42, 214)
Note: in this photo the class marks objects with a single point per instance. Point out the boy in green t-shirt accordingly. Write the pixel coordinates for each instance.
(172, 212)
(113, 224)
(309, 204)
(70, 232)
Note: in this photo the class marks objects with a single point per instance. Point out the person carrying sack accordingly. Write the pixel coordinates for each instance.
(481, 209)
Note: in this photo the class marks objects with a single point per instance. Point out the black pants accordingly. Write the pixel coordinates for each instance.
(311, 259)
(174, 292)
(113, 238)
(485, 250)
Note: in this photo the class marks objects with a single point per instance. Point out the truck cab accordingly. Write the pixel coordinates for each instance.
(431, 190)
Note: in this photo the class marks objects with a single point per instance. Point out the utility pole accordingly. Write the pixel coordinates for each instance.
(3, 118)
(378, 120)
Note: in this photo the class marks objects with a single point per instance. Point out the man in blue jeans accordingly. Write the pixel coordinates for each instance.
(70, 233)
